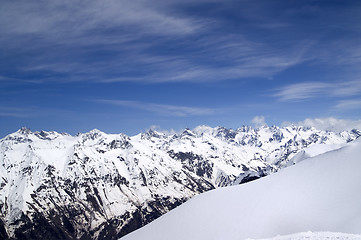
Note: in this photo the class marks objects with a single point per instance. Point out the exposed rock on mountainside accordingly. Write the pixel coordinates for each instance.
(96, 185)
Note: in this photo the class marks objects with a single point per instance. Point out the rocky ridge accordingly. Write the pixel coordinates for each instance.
(102, 186)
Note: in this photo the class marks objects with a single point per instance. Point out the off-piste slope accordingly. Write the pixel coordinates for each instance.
(319, 194)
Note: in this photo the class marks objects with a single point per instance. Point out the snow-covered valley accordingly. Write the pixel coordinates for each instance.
(102, 186)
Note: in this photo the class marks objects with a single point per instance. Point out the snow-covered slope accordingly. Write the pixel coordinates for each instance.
(316, 236)
(96, 185)
(319, 194)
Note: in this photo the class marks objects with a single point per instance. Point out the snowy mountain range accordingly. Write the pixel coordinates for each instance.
(102, 186)
(317, 199)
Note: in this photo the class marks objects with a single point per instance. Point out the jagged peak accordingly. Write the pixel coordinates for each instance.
(152, 133)
(96, 131)
(24, 131)
(274, 127)
(46, 135)
(245, 128)
(122, 136)
(226, 133)
(92, 134)
(21, 135)
(300, 128)
(187, 132)
(356, 132)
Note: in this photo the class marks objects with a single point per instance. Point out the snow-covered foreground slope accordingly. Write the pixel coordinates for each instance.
(316, 236)
(319, 194)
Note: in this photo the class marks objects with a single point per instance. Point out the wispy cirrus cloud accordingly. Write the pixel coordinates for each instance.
(85, 40)
(310, 90)
(347, 88)
(135, 41)
(77, 17)
(301, 91)
(14, 112)
(32, 112)
(163, 109)
(213, 58)
(348, 104)
(114, 41)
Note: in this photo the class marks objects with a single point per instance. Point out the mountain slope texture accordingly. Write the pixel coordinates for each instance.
(319, 194)
(103, 186)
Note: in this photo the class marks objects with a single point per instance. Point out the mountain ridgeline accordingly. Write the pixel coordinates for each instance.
(102, 186)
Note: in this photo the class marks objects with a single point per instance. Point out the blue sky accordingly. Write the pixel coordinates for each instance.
(126, 66)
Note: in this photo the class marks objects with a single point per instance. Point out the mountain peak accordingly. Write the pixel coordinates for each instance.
(24, 131)
(187, 132)
(152, 133)
(92, 135)
(113, 178)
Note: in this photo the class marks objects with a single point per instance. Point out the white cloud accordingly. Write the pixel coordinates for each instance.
(13, 114)
(165, 131)
(61, 34)
(77, 17)
(31, 112)
(308, 90)
(129, 29)
(259, 121)
(331, 124)
(301, 91)
(163, 109)
(349, 104)
(347, 88)
(8, 111)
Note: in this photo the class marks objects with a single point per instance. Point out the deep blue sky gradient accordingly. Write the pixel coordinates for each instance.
(125, 66)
